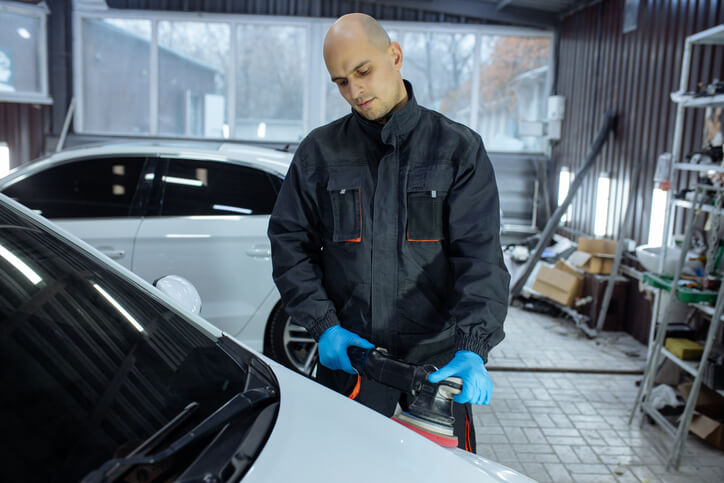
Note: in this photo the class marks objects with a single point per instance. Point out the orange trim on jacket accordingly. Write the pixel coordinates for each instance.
(359, 240)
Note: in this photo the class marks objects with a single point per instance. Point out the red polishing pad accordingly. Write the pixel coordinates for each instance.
(444, 441)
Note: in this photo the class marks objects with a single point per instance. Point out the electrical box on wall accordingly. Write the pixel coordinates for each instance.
(556, 111)
(556, 108)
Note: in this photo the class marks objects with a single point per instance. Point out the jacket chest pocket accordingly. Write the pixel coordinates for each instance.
(345, 194)
(427, 190)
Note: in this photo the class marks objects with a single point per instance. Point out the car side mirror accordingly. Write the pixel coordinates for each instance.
(180, 291)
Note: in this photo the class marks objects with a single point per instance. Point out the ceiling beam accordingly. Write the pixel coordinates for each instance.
(504, 3)
(479, 9)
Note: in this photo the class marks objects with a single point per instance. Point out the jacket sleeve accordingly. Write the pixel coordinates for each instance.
(295, 236)
(481, 278)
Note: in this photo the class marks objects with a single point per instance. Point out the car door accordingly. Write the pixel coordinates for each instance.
(100, 200)
(211, 229)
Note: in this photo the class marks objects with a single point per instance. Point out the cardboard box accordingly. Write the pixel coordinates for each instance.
(708, 429)
(594, 255)
(561, 283)
(709, 402)
(711, 406)
(684, 349)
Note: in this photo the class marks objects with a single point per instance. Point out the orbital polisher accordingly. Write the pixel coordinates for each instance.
(430, 405)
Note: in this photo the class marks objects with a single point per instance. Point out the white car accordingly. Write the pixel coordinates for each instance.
(197, 210)
(104, 378)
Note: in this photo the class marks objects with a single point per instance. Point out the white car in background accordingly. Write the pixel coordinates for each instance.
(106, 378)
(197, 210)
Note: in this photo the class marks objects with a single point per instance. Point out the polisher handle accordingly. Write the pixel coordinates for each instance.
(450, 387)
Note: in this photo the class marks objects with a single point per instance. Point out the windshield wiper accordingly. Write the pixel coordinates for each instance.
(242, 402)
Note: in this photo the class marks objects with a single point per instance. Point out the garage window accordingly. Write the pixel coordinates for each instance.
(23, 53)
(193, 60)
(270, 82)
(116, 79)
(257, 78)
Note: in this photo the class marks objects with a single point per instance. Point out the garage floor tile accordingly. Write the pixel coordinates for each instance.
(553, 421)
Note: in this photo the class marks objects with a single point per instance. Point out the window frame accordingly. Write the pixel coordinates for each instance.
(40, 12)
(315, 77)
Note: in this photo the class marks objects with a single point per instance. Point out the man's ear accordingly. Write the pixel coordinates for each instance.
(395, 52)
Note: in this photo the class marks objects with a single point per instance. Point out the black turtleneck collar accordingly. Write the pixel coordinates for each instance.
(400, 122)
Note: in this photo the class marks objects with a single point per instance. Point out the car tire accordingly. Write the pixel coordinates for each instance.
(289, 343)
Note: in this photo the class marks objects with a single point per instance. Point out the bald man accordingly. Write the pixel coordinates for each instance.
(385, 232)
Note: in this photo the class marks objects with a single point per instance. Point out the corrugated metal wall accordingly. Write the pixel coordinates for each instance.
(600, 68)
(23, 127)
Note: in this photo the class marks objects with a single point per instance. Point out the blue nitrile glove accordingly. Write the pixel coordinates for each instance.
(333, 348)
(468, 366)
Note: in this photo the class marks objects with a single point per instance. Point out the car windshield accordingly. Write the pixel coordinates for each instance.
(92, 365)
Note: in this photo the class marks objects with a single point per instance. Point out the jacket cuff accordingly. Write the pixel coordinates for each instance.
(317, 327)
(473, 344)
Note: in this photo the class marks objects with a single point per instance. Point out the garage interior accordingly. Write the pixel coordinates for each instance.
(602, 119)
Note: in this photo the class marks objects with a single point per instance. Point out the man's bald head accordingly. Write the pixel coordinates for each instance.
(357, 27)
(365, 65)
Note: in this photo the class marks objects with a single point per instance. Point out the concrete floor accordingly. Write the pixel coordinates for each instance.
(555, 422)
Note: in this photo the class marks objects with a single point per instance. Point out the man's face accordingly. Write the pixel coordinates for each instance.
(368, 78)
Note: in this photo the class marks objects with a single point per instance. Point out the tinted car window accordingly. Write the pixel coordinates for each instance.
(91, 364)
(216, 188)
(91, 188)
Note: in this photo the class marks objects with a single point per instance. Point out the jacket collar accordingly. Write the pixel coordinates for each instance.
(400, 123)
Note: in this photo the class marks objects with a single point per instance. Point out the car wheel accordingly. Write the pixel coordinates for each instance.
(289, 343)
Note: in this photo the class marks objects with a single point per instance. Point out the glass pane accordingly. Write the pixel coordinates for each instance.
(212, 188)
(93, 365)
(19, 60)
(271, 82)
(116, 75)
(513, 75)
(440, 67)
(92, 188)
(193, 65)
(336, 106)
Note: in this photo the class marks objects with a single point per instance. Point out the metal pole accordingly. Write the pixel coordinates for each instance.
(66, 125)
(609, 124)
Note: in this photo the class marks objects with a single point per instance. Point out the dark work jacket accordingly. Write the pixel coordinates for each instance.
(393, 232)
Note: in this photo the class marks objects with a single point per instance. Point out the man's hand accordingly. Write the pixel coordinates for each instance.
(333, 348)
(468, 366)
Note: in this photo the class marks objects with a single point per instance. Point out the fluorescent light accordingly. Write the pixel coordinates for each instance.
(4, 159)
(183, 181)
(23, 32)
(657, 218)
(175, 180)
(261, 130)
(119, 308)
(602, 196)
(22, 267)
(564, 184)
(184, 235)
(244, 211)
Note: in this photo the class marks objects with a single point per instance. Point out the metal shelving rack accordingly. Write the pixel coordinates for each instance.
(713, 36)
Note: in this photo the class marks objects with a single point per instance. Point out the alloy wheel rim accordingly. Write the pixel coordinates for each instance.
(300, 348)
